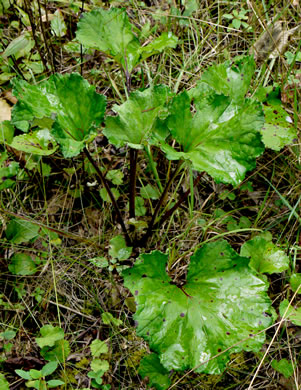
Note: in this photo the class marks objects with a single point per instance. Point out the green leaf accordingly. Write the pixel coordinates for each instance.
(99, 365)
(98, 347)
(115, 176)
(8, 335)
(4, 385)
(50, 334)
(110, 32)
(58, 97)
(140, 209)
(230, 80)
(49, 368)
(22, 264)
(17, 45)
(151, 367)
(8, 169)
(278, 130)
(37, 384)
(6, 132)
(166, 40)
(23, 374)
(284, 367)
(265, 256)
(39, 142)
(101, 262)
(222, 305)
(19, 231)
(105, 196)
(136, 117)
(35, 374)
(55, 383)
(236, 23)
(59, 352)
(222, 138)
(295, 282)
(149, 192)
(108, 319)
(118, 248)
(58, 26)
(292, 314)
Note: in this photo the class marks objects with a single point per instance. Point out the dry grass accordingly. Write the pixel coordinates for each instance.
(74, 291)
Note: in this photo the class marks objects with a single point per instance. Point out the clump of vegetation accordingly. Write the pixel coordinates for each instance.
(149, 196)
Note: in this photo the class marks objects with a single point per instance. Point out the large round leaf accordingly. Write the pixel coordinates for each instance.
(223, 305)
(70, 99)
(222, 138)
(137, 117)
(110, 32)
(265, 256)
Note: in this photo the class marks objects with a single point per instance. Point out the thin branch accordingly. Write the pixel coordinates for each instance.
(104, 182)
(133, 174)
(179, 202)
(159, 204)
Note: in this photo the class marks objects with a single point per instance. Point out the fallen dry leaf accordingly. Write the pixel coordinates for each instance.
(5, 110)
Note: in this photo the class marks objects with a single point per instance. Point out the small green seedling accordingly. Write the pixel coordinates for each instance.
(98, 366)
(238, 19)
(37, 378)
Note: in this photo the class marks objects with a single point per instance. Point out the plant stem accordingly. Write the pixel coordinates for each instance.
(108, 189)
(33, 30)
(179, 202)
(159, 204)
(133, 174)
(153, 166)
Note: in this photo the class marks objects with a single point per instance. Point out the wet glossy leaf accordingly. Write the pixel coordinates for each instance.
(151, 367)
(136, 117)
(223, 304)
(19, 231)
(222, 138)
(39, 142)
(98, 347)
(293, 314)
(50, 334)
(265, 256)
(231, 80)
(118, 248)
(110, 32)
(76, 119)
(283, 366)
(278, 129)
(295, 282)
(22, 264)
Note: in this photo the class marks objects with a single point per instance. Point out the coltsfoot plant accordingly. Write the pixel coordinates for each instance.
(219, 127)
